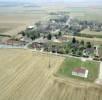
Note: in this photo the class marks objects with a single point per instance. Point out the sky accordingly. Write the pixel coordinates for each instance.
(55, 0)
(66, 1)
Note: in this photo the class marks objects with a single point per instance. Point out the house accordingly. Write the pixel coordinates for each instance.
(81, 72)
(30, 27)
(26, 39)
(55, 40)
(63, 39)
(14, 42)
(39, 43)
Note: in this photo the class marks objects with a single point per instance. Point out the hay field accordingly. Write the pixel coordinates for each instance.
(16, 19)
(86, 13)
(25, 76)
(14, 23)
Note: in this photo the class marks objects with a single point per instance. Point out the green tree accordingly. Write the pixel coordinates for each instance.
(49, 37)
(60, 33)
(88, 45)
(74, 40)
(82, 42)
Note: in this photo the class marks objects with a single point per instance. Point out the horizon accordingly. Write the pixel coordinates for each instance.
(73, 2)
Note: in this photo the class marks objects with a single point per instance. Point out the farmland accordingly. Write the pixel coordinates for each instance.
(88, 32)
(86, 13)
(92, 34)
(11, 24)
(25, 75)
(17, 18)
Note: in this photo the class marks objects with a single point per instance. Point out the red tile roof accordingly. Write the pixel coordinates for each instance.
(80, 70)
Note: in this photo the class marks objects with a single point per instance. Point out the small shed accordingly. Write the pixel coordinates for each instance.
(80, 71)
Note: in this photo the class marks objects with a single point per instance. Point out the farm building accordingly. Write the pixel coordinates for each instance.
(63, 39)
(26, 39)
(15, 42)
(30, 27)
(81, 72)
(39, 43)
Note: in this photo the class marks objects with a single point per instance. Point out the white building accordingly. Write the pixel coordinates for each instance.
(81, 72)
(30, 27)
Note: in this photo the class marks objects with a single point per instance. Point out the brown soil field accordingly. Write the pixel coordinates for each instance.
(14, 23)
(25, 75)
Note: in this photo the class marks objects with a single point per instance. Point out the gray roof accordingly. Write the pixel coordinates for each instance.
(41, 40)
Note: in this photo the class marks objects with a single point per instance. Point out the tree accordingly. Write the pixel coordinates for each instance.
(33, 37)
(67, 50)
(82, 42)
(88, 45)
(22, 33)
(49, 37)
(74, 40)
(60, 33)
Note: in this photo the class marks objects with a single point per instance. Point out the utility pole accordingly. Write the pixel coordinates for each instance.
(49, 61)
(49, 66)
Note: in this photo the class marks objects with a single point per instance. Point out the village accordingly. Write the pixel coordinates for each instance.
(58, 36)
(50, 50)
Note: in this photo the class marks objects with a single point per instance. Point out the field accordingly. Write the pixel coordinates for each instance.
(25, 75)
(92, 40)
(70, 63)
(86, 13)
(91, 33)
(16, 19)
(14, 23)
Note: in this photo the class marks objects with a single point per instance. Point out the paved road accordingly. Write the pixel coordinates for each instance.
(10, 46)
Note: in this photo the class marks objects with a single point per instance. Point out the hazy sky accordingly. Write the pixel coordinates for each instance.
(56, 0)
(66, 1)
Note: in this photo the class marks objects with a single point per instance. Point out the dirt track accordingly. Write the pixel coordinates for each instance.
(25, 75)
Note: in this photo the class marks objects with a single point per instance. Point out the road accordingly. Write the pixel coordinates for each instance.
(100, 74)
(10, 46)
(99, 80)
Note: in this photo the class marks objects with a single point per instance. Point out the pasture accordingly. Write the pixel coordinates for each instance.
(25, 75)
(70, 63)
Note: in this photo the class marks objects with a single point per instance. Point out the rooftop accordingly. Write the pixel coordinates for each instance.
(80, 70)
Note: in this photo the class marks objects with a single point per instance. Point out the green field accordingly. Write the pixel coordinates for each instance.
(70, 63)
